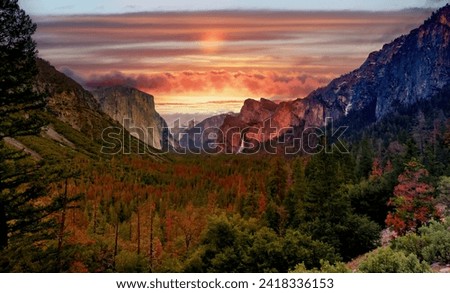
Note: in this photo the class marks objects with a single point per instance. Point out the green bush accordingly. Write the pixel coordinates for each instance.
(338, 267)
(325, 267)
(437, 237)
(386, 260)
(410, 243)
(431, 244)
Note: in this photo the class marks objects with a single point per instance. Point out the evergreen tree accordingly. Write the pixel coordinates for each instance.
(276, 185)
(294, 202)
(17, 72)
(325, 173)
(22, 181)
(364, 158)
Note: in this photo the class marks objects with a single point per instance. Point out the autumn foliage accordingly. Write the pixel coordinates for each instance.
(412, 201)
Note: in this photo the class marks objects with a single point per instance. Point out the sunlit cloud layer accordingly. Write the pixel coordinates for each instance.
(212, 61)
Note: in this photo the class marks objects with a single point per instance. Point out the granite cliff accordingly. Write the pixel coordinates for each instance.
(135, 110)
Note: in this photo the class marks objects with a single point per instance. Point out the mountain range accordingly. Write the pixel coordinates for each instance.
(412, 68)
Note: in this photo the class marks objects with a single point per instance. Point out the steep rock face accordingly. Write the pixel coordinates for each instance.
(411, 68)
(70, 103)
(135, 110)
(265, 120)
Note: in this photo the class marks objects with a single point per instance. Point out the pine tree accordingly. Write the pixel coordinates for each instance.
(17, 72)
(364, 158)
(295, 201)
(276, 185)
(23, 217)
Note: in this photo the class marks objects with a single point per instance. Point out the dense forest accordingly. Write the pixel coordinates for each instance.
(236, 213)
(77, 210)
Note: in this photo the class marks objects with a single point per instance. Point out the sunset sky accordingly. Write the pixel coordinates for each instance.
(200, 62)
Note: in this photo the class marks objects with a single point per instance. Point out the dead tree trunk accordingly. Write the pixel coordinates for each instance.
(62, 224)
(138, 231)
(116, 238)
(151, 237)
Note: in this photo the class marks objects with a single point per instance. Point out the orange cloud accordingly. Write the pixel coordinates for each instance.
(229, 54)
(215, 82)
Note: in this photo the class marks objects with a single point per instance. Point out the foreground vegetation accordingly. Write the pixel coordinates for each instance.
(231, 214)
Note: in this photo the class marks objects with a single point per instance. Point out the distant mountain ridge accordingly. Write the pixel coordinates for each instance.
(198, 137)
(412, 68)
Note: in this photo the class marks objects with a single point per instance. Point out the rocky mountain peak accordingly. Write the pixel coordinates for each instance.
(253, 111)
(441, 16)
